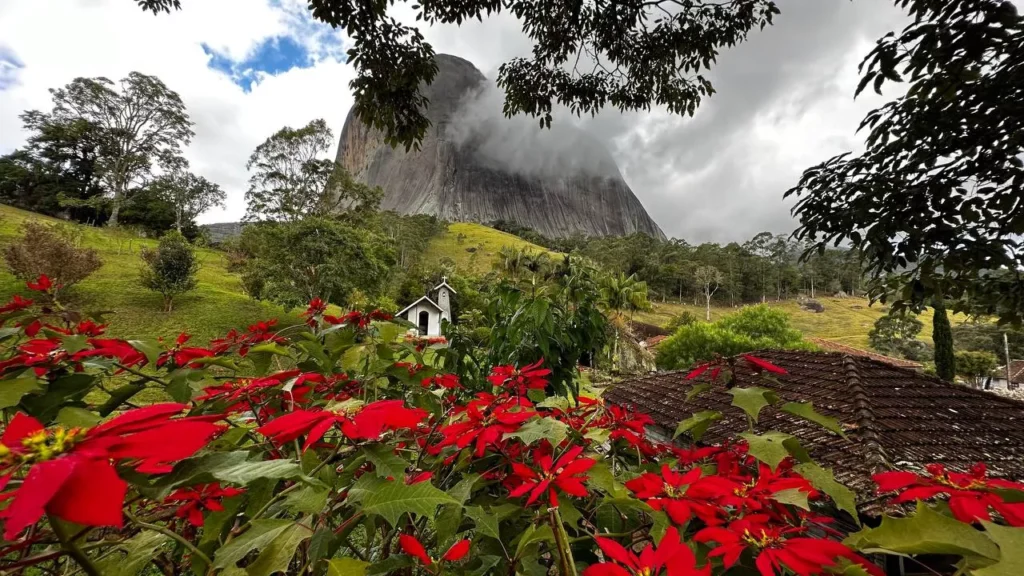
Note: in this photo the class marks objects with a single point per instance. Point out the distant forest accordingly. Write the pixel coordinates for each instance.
(766, 267)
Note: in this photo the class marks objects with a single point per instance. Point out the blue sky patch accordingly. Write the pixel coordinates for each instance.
(272, 56)
(10, 67)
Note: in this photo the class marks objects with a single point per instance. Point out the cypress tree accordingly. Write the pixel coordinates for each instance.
(942, 337)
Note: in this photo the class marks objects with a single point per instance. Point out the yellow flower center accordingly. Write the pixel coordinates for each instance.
(762, 541)
(671, 491)
(47, 444)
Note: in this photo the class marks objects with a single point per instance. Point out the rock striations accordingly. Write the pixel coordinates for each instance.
(476, 166)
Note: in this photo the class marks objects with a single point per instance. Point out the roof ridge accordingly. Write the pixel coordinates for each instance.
(865, 416)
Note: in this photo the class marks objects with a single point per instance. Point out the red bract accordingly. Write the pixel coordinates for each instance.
(518, 381)
(671, 556)
(368, 423)
(42, 284)
(17, 303)
(485, 421)
(447, 381)
(411, 546)
(775, 549)
(763, 365)
(182, 356)
(191, 502)
(70, 472)
(567, 474)
(316, 309)
(357, 318)
(118, 350)
(668, 492)
(971, 496)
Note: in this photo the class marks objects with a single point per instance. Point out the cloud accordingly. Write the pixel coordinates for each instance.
(10, 65)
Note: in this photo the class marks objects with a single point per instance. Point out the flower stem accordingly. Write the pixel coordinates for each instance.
(567, 564)
(173, 535)
(73, 550)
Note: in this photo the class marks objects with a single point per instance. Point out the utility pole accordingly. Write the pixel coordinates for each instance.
(1006, 349)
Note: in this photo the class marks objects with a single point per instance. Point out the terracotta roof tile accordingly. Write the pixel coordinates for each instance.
(894, 417)
(833, 346)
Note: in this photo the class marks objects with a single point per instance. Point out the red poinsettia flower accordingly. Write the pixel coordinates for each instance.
(446, 381)
(314, 311)
(671, 556)
(517, 380)
(181, 355)
(971, 495)
(70, 472)
(763, 365)
(411, 546)
(567, 474)
(776, 550)
(122, 351)
(191, 502)
(17, 303)
(42, 284)
(368, 423)
(485, 421)
(668, 492)
(357, 318)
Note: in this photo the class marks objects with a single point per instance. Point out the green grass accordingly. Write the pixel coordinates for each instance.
(846, 320)
(217, 305)
(473, 247)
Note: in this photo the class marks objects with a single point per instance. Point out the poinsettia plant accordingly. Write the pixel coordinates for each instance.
(338, 447)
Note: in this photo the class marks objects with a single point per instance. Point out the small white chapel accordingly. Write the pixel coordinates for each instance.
(427, 313)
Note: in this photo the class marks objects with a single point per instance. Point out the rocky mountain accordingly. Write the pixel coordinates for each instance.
(474, 165)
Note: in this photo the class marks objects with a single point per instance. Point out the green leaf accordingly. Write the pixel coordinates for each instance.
(392, 499)
(259, 536)
(390, 565)
(447, 522)
(926, 532)
(270, 348)
(217, 361)
(73, 416)
(752, 400)
(600, 477)
(768, 447)
(548, 429)
(535, 395)
(598, 435)
(823, 479)
(139, 550)
(806, 411)
(464, 489)
(793, 497)
(533, 536)
(322, 545)
(388, 331)
(347, 567)
(796, 450)
(277, 554)
(308, 499)
(697, 424)
(559, 402)
(199, 469)
(11, 391)
(246, 472)
(386, 463)
(75, 343)
(486, 521)
(151, 350)
(1011, 551)
(697, 389)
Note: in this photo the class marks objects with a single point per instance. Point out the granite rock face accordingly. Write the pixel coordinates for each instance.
(476, 166)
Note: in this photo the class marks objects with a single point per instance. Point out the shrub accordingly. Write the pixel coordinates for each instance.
(975, 367)
(52, 251)
(893, 330)
(684, 318)
(170, 269)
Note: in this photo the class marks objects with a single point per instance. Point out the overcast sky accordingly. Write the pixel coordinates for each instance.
(245, 68)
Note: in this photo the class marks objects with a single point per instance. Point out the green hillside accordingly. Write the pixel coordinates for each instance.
(216, 306)
(474, 247)
(846, 320)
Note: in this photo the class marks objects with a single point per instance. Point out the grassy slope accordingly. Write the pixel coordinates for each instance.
(845, 320)
(474, 247)
(216, 306)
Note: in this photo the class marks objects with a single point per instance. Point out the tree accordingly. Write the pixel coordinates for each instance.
(51, 251)
(137, 124)
(893, 330)
(170, 269)
(942, 337)
(708, 278)
(291, 263)
(585, 56)
(291, 179)
(976, 367)
(932, 202)
(189, 194)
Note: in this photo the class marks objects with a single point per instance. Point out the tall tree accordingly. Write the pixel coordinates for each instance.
(708, 278)
(138, 124)
(189, 194)
(586, 55)
(942, 337)
(933, 202)
(291, 178)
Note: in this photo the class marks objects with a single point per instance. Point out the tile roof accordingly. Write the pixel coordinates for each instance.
(894, 417)
(833, 346)
(1016, 372)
